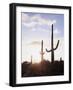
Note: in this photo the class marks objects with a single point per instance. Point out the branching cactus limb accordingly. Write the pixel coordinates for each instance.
(52, 46)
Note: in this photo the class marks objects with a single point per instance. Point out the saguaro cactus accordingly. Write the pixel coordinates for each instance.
(42, 53)
(52, 46)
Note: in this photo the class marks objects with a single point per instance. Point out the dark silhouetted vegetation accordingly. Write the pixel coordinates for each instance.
(44, 68)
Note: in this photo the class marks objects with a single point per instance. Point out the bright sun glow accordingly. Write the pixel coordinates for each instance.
(36, 57)
(34, 51)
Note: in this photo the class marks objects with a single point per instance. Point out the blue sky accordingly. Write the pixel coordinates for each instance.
(37, 27)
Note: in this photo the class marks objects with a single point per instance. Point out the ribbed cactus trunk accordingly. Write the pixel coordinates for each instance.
(42, 53)
(52, 44)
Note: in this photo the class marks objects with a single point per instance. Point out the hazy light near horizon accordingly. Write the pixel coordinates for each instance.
(34, 49)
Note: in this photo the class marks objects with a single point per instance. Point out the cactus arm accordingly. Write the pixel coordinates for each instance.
(48, 50)
(56, 45)
(53, 48)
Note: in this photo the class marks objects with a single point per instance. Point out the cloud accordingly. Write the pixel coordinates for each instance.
(35, 21)
(25, 17)
(56, 31)
(34, 43)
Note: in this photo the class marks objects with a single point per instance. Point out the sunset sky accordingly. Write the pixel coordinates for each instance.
(37, 27)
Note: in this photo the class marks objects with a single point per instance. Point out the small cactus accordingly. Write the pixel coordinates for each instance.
(42, 53)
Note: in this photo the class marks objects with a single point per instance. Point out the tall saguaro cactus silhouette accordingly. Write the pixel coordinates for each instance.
(52, 46)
